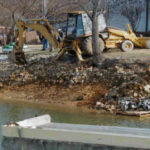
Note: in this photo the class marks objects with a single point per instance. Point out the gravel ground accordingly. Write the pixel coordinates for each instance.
(122, 81)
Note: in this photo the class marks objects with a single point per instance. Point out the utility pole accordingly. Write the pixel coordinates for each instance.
(44, 8)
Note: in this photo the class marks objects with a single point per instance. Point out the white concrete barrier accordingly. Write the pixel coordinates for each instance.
(34, 122)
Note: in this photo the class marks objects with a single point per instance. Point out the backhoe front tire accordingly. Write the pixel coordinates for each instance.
(87, 46)
(127, 46)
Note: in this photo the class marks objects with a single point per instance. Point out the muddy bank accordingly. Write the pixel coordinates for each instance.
(118, 84)
(57, 96)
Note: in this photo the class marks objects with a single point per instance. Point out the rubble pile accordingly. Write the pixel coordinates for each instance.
(129, 87)
(128, 84)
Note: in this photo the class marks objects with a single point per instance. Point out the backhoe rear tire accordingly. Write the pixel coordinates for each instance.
(87, 46)
(127, 46)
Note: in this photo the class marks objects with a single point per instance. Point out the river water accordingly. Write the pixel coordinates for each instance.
(19, 111)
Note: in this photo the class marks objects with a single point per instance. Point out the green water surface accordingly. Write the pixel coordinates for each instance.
(16, 112)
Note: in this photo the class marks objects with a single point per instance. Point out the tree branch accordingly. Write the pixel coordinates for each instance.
(84, 8)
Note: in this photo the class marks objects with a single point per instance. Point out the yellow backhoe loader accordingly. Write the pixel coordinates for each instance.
(78, 36)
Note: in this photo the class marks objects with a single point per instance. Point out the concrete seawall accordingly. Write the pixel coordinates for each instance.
(33, 135)
(26, 144)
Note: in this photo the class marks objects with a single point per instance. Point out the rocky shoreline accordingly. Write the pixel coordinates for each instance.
(117, 85)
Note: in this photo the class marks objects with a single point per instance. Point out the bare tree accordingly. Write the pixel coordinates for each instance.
(96, 6)
(131, 9)
(14, 10)
(57, 10)
(110, 8)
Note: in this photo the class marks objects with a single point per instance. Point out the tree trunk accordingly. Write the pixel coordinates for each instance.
(97, 57)
(10, 35)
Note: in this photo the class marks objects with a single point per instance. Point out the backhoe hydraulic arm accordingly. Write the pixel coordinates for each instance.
(40, 25)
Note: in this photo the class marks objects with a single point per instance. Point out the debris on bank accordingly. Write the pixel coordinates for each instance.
(128, 84)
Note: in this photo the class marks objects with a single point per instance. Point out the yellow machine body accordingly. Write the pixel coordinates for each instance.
(117, 37)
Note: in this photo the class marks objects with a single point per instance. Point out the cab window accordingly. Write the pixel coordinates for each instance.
(71, 24)
(80, 30)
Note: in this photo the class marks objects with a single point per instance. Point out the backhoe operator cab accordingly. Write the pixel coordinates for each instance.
(79, 24)
(79, 28)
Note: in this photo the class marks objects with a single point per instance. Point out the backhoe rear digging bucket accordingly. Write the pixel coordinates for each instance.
(17, 57)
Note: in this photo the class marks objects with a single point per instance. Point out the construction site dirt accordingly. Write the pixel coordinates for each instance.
(121, 83)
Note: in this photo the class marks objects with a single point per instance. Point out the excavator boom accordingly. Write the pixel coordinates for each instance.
(40, 25)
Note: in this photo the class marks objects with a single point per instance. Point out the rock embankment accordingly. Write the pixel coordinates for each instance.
(126, 85)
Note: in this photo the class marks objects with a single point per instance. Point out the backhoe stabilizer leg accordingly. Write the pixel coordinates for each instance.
(79, 55)
(60, 54)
